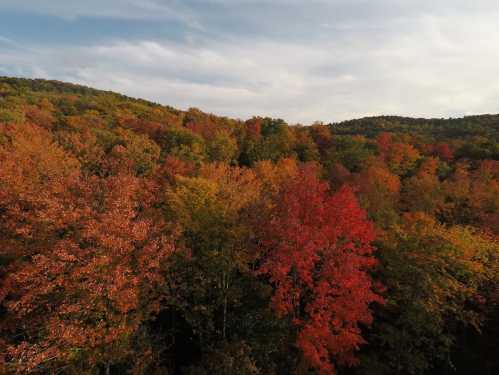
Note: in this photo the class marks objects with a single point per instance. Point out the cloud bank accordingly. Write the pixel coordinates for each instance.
(301, 61)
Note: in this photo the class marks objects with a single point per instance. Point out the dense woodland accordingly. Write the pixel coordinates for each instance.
(137, 238)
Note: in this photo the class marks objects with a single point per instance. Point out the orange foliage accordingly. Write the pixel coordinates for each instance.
(86, 256)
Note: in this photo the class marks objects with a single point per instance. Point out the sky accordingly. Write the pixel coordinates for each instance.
(303, 61)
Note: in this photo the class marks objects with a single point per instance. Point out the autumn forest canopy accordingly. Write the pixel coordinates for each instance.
(136, 238)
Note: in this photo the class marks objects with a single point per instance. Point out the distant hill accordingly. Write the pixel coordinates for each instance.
(485, 125)
(476, 137)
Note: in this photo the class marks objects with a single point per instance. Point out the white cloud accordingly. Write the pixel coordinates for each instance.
(434, 63)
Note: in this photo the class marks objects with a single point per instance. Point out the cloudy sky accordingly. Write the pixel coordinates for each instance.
(302, 60)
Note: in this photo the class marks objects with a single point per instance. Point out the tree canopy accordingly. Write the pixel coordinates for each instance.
(137, 238)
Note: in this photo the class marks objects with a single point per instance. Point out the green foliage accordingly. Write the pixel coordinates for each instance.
(275, 142)
(183, 144)
(140, 150)
(435, 278)
(350, 152)
(222, 148)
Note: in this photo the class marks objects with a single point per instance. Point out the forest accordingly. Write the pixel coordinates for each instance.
(136, 238)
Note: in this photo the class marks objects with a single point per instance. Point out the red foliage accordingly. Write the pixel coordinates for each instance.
(317, 254)
(443, 151)
(151, 128)
(384, 141)
(254, 127)
(173, 167)
(40, 117)
(339, 175)
(204, 129)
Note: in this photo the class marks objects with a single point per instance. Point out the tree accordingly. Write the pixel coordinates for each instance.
(85, 259)
(339, 175)
(305, 148)
(351, 152)
(316, 251)
(222, 147)
(267, 139)
(322, 137)
(423, 192)
(443, 151)
(142, 152)
(183, 144)
(379, 192)
(437, 279)
(484, 195)
(401, 158)
(213, 209)
(383, 141)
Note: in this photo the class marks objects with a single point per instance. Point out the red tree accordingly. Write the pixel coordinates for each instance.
(317, 255)
(384, 141)
(443, 151)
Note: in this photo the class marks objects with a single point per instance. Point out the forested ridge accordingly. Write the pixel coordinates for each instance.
(138, 238)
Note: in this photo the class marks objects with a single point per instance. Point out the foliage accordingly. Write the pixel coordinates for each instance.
(308, 242)
(137, 238)
(437, 279)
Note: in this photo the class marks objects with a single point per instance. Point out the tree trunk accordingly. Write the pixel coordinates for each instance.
(225, 283)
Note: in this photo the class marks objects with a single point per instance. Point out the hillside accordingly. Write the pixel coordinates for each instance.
(138, 238)
(476, 137)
